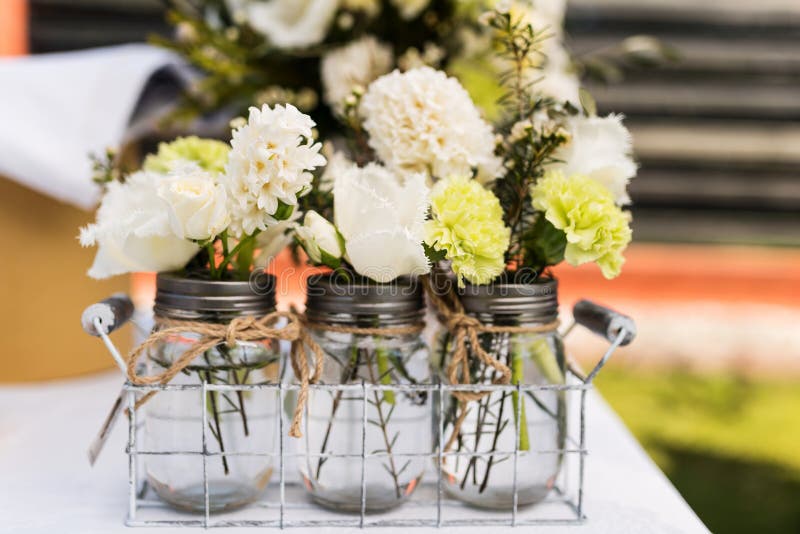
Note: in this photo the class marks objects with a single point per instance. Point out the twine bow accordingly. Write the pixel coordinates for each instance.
(465, 328)
(239, 329)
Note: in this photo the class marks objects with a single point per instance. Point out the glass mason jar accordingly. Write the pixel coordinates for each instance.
(237, 421)
(490, 424)
(398, 423)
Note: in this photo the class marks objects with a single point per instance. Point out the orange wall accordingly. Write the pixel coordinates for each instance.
(44, 289)
(13, 27)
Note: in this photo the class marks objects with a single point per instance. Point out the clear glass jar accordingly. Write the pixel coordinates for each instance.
(237, 421)
(491, 422)
(398, 423)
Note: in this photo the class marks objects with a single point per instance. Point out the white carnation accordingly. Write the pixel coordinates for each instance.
(355, 64)
(600, 148)
(197, 204)
(270, 162)
(423, 121)
(382, 221)
(558, 78)
(133, 232)
(287, 23)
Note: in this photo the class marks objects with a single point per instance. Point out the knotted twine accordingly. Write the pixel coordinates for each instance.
(251, 329)
(239, 329)
(465, 328)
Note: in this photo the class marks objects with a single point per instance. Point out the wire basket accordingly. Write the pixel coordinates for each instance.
(285, 503)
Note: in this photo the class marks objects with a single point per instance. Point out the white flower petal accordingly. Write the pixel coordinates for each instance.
(600, 148)
(384, 255)
(289, 23)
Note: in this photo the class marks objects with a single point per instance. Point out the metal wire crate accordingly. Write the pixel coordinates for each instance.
(285, 503)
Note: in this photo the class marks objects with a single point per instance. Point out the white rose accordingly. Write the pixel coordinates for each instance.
(133, 232)
(287, 23)
(320, 240)
(382, 221)
(600, 148)
(197, 203)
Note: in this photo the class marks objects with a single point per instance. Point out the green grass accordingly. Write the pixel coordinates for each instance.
(730, 445)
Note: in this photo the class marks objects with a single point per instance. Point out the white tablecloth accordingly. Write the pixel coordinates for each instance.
(47, 486)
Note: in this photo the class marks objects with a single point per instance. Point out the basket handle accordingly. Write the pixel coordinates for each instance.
(604, 321)
(617, 328)
(108, 315)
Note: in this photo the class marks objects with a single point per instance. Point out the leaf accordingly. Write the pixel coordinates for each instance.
(284, 211)
(587, 102)
(434, 255)
(544, 244)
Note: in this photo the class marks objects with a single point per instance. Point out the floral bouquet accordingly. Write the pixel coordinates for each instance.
(416, 181)
(203, 213)
(311, 54)
(426, 182)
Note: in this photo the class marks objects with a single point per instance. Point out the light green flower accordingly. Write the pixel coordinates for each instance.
(467, 225)
(209, 154)
(596, 229)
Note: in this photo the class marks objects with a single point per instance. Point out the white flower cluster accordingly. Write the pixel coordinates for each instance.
(600, 148)
(423, 121)
(155, 221)
(379, 224)
(287, 23)
(381, 220)
(269, 165)
(354, 65)
(133, 231)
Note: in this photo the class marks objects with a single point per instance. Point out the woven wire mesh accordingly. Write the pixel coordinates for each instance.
(286, 505)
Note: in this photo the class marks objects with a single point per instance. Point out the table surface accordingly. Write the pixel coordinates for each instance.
(48, 487)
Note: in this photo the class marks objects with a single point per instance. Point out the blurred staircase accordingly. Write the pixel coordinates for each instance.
(717, 133)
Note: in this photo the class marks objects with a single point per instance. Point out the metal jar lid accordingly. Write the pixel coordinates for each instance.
(179, 297)
(334, 299)
(534, 302)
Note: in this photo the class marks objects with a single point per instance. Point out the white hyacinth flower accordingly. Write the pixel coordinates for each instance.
(269, 166)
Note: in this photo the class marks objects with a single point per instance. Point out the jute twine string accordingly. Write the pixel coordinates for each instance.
(239, 329)
(464, 328)
(250, 329)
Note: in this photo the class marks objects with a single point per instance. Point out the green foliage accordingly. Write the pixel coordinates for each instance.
(239, 64)
(729, 444)
(526, 149)
(544, 244)
(105, 167)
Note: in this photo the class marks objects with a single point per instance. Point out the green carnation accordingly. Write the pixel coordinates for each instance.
(596, 229)
(467, 225)
(209, 154)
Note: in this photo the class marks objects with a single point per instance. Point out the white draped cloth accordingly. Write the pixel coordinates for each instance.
(56, 109)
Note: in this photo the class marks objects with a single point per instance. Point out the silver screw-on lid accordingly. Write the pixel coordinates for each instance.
(179, 297)
(335, 299)
(534, 302)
